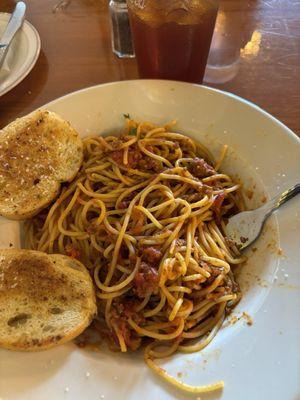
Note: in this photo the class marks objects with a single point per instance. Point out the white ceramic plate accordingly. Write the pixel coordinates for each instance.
(22, 54)
(256, 362)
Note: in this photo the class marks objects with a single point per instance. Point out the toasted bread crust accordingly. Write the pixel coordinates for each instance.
(37, 153)
(45, 300)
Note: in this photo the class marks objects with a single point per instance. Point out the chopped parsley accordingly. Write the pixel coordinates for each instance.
(133, 131)
(126, 116)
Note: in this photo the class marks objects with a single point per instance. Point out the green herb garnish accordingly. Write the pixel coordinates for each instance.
(126, 116)
(133, 131)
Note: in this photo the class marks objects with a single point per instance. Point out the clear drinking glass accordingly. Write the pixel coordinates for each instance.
(171, 37)
(233, 30)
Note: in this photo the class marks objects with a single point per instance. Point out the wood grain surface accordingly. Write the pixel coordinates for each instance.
(76, 53)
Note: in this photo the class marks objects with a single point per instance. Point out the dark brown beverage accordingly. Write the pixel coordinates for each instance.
(173, 46)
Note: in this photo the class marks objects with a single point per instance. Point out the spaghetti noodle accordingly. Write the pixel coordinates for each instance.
(146, 215)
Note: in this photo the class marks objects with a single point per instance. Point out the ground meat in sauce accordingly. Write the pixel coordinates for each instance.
(145, 280)
(151, 255)
(92, 228)
(120, 312)
(123, 309)
(228, 287)
(124, 204)
(180, 243)
(230, 243)
(119, 141)
(214, 271)
(124, 252)
(117, 156)
(149, 163)
(136, 159)
(200, 168)
(131, 338)
(72, 251)
(134, 156)
(217, 205)
(201, 192)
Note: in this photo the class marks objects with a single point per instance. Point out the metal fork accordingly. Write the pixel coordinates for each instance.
(3, 50)
(244, 228)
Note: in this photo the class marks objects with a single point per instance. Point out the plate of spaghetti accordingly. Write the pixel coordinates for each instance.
(181, 312)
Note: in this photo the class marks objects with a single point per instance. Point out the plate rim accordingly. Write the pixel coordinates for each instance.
(224, 93)
(33, 58)
(153, 380)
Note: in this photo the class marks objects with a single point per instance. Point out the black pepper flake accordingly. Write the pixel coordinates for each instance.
(39, 121)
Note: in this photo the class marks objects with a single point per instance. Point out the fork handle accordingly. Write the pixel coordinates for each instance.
(282, 198)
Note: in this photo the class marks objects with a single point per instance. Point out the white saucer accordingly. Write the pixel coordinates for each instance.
(21, 56)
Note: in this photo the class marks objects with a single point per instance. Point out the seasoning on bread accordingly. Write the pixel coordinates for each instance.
(37, 153)
(45, 299)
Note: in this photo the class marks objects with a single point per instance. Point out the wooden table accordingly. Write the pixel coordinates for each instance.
(76, 52)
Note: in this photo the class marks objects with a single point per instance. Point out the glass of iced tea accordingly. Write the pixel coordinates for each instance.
(172, 37)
